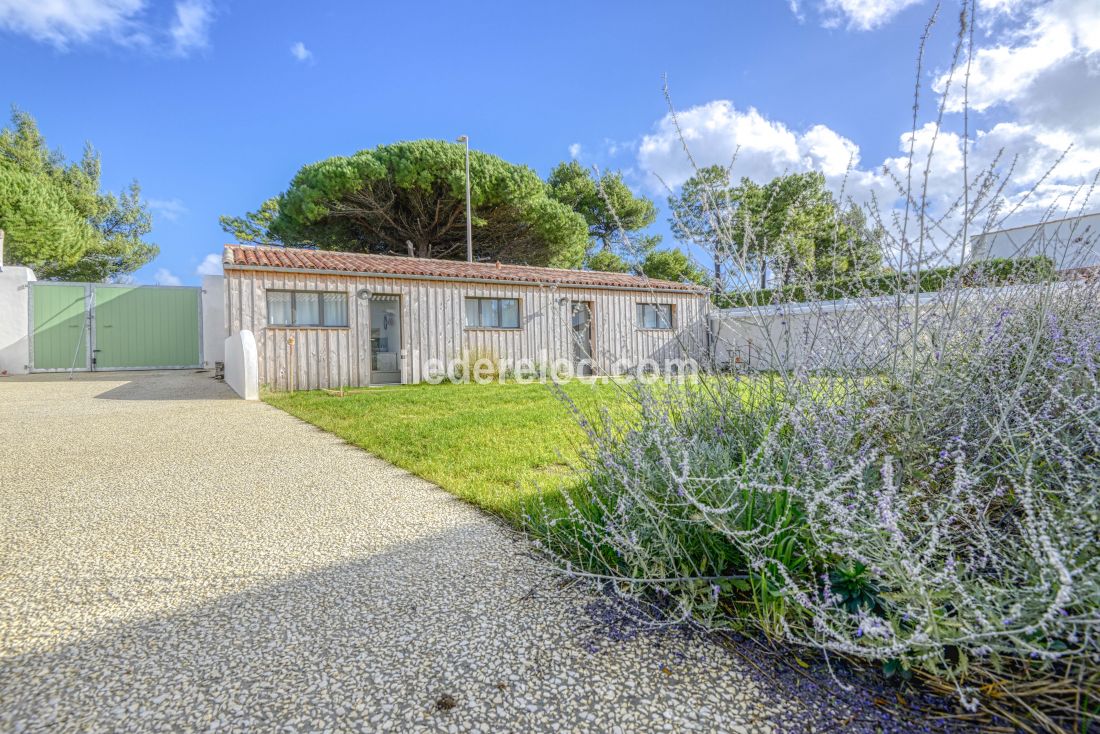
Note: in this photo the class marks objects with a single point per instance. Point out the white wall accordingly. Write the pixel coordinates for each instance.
(14, 303)
(865, 333)
(1070, 243)
(213, 320)
(826, 335)
(242, 365)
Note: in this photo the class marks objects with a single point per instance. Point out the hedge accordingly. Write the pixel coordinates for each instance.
(996, 271)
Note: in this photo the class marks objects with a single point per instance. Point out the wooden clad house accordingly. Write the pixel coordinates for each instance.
(325, 319)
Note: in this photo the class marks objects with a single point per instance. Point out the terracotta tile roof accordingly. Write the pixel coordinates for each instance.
(249, 256)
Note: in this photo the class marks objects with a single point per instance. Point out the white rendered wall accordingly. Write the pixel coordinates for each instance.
(861, 333)
(14, 303)
(1070, 243)
(213, 320)
(242, 367)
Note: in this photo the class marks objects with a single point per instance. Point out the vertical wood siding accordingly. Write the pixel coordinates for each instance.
(433, 327)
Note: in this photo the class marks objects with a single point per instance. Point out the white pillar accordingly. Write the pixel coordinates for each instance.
(15, 298)
(242, 365)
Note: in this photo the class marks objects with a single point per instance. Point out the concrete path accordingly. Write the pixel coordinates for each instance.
(172, 558)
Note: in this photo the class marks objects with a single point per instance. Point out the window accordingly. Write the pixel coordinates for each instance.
(302, 308)
(492, 313)
(654, 316)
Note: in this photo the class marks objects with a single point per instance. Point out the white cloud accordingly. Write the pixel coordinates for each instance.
(825, 150)
(999, 7)
(614, 147)
(796, 10)
(299, 51)
(191, 27)
(210, 265)
(170, 209)
(863, 15)
(164, 276)
(720, 134)
(65, 22)
(1041, 180)
(717, 133)
(1015, 69)
(1035, 79)
(768, 148)
(575, 151)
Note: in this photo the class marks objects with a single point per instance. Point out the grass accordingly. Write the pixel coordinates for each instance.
(495, 445)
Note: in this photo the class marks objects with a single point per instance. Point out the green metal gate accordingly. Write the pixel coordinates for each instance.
(59, 326)
(94, 326)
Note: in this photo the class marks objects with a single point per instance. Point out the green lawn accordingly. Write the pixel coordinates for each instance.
(494, 445)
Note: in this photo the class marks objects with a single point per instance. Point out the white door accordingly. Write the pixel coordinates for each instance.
(582, 338)
(385, 340)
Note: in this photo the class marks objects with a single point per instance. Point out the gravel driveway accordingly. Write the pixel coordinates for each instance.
(174, 558)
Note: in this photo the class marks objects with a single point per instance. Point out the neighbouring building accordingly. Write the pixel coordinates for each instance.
(1073, 244)
(324, 319)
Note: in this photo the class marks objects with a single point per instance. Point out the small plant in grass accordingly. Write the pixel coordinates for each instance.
(854, 589)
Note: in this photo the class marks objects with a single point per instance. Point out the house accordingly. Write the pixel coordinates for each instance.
(325, 319)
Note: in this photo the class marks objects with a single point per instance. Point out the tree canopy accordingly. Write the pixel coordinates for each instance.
(253, 227)
(39, 223)
(791, 226)
(55, 218)
(609, 207)
(606, 261)
(409, 198)
(672, 265)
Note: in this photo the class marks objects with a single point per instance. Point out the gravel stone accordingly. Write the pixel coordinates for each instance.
(175, 559)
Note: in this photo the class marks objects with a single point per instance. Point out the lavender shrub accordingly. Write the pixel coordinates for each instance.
(943, 521)
(911, 480)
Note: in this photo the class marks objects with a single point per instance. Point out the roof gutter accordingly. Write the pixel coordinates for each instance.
(458, 279)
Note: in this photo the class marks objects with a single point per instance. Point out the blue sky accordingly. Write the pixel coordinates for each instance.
(214, 104)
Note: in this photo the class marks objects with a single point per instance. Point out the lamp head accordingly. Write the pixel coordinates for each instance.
(462, 139)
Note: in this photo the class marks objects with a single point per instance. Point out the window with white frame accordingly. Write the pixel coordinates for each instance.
(306, 308)
(654, 316)
(492, 313)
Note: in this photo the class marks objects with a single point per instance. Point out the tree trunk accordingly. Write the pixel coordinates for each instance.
(788, 271)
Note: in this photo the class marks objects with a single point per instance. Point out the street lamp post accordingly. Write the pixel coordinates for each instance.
(469, 223)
